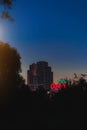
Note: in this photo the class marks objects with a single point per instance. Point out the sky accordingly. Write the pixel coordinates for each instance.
(49, 30)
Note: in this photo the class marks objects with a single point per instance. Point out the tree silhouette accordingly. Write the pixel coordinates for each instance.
(10, 68)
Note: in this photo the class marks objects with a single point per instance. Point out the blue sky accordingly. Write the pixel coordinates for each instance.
(50, 30)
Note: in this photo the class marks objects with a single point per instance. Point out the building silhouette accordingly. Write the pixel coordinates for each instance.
(39, 75)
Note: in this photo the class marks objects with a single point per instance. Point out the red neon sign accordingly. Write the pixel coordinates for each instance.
(54, 86)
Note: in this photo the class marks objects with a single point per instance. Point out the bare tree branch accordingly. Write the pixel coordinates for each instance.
(5, 15)
(7, 4)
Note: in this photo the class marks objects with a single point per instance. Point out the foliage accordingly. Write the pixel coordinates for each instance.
(10, 68)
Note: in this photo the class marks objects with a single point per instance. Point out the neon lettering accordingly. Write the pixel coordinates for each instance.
(54, 86)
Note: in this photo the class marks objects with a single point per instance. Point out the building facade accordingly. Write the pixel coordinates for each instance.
(39, 75)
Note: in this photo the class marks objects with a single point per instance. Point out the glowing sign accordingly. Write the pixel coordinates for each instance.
(58, 86)
(62, 83)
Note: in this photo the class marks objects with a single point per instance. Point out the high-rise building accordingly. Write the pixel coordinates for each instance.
(39, 75)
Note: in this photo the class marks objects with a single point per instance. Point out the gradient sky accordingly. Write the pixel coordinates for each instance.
(50, 30)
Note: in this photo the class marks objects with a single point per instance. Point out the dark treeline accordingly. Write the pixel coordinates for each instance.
(37, 110)
(21, 108)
